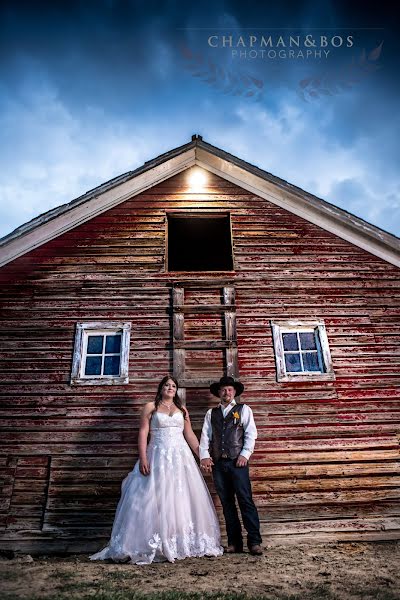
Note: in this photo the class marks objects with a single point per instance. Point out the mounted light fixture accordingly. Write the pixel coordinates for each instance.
(197, 181)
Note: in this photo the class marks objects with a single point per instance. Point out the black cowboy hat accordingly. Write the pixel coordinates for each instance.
(214, 387)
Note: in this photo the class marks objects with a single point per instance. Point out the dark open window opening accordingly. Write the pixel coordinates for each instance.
(199, 243)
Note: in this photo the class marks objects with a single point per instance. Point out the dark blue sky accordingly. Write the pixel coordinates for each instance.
(91, 89)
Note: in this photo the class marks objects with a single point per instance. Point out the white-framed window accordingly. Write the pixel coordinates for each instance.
(101, 353)
(301, 351)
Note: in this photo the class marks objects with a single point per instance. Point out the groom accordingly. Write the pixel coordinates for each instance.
(227, 442)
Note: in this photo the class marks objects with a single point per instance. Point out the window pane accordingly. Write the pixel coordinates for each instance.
(95, 344)
(113, 344)
(293, 363)
(93, 365)
(310, 361)
(290, 341)
(111, 365)
(307, 341)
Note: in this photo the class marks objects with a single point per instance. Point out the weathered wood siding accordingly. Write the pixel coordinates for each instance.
(327, 456)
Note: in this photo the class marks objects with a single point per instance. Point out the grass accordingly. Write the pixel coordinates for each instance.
(79, 593)
(64, 575)
(10, 576)
(77, 579)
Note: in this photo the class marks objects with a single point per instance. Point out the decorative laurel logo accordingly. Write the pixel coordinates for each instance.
(340, 80)
(241, 83)
(223, 79)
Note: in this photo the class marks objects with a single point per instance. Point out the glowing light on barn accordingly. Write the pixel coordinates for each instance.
(197, 181)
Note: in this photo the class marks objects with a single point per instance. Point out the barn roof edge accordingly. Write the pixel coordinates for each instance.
(356, 224)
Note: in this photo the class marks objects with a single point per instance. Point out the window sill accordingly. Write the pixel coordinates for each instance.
(291, 378)
(101, 381)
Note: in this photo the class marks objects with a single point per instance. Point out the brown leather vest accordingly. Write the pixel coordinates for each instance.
(227, 433)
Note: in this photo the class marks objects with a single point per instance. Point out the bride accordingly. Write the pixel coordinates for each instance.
(165, 511)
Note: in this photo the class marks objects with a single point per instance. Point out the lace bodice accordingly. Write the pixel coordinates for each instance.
(164, 427)
(160, 420)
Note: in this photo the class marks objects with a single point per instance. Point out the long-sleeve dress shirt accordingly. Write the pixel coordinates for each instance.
(249, 430)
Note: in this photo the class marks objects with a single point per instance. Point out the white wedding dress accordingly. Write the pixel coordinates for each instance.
(168, 514)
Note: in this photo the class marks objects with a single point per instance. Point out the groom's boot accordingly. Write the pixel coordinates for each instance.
(232, 549)
(255, 550)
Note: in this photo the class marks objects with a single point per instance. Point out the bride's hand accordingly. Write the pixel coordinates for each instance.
(144, 467)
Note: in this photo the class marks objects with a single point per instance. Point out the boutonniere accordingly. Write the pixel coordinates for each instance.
(236, 417)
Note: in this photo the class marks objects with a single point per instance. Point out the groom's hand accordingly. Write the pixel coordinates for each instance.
(241, 461)
(206, 465)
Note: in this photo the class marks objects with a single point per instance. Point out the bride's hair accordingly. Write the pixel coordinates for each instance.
(176, 399)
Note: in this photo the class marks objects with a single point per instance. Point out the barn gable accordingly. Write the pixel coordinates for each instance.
(199, 153)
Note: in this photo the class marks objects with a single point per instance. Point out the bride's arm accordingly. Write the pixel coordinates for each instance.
(189, 435)
(142, 438)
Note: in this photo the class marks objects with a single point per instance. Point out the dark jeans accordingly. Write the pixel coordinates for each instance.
(231, 481)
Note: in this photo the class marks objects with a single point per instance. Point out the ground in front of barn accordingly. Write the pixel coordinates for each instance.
(345, 571)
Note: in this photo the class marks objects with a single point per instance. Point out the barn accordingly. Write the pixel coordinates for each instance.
(199, 264)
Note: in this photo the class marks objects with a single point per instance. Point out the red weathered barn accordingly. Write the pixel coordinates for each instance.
(199, 264)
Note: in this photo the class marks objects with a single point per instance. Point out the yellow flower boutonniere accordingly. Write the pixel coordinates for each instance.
(236, 417)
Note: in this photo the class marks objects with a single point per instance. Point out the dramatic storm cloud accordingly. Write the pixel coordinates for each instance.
(92, 89)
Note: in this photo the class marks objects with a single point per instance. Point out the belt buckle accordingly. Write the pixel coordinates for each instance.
(224, 455)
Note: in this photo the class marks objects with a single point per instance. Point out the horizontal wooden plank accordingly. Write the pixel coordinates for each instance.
(293, 498)
(335, 526)
(91, 462)
(200, 309)
(304, 512)
(325, 470)
(46, 544)
(327, 484)
(316, 457)
(270, 426)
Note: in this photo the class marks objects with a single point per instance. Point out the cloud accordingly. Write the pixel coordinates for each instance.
(380, 206)
(81, 105)
(52, 154)
(290, 146)
(56, 155)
